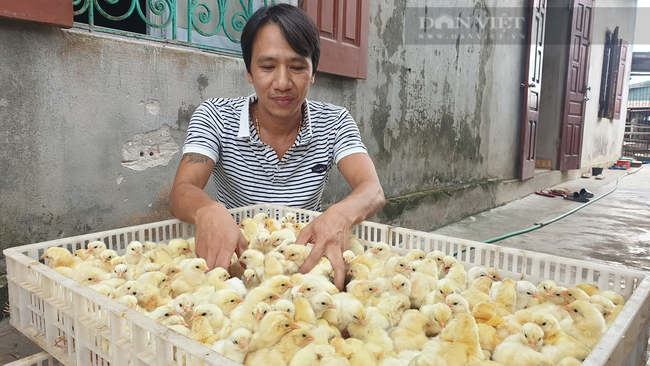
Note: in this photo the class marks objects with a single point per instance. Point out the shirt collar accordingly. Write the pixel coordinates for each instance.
(245, 124)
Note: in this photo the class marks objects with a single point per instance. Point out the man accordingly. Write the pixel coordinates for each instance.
(274, 147)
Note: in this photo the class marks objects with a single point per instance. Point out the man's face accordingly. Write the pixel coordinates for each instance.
(281, 77)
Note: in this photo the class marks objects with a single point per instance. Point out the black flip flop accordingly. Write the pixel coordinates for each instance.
(577, 197)
(586, 193)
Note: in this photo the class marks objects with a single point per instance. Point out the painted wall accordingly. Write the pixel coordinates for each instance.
(603, 139)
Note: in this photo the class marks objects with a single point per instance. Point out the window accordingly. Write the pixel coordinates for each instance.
(53, 12)
(613, 76)
(343, 26)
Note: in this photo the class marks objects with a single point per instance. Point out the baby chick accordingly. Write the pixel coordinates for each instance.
(522, 349)
(274, 325)
(410, 333)
(226, 300)
(587, 325)
(202, 332)
(133, 252)
(96, 248)
(192, 275)
(60, 257)
(282, 353)
(235, 347)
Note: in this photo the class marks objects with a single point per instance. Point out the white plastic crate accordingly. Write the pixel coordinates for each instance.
(39, 359)
(73, 322)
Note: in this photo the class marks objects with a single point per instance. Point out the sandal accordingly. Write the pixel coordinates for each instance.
(586, 193)
(546, 193)
(577, 197)
(561, 192)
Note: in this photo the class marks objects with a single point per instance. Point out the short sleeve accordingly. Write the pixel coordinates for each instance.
(348, 139)
(204, 130)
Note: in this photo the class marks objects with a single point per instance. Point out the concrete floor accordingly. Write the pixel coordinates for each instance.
(614, 231)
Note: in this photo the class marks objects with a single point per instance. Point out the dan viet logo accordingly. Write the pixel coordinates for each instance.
(450, 25)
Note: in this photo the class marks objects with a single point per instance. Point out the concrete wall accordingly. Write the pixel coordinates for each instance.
(603, 139)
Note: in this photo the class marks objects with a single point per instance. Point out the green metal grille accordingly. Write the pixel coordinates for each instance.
(178, 22)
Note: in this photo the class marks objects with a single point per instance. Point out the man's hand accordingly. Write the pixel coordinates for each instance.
(330, 234)
(217, 237)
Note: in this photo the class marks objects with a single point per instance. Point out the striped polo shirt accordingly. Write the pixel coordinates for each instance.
(247, 171)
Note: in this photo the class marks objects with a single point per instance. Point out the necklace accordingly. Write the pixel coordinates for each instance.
(257, 123)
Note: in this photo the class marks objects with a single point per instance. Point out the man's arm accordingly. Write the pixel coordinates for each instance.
(217, 234)
(330, 232)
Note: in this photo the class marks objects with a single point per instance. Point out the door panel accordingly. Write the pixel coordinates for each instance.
(576, 85)
(532, 86)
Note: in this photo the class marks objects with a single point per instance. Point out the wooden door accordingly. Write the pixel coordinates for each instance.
(575, 98)
(344, 27)
(620, 78)
(532, 86)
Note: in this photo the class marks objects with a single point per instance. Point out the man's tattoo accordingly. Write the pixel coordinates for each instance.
(193, 158)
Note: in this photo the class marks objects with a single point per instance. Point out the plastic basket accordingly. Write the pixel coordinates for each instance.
(39, 359)
(74, 323)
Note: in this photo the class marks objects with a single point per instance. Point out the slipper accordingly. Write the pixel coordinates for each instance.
(545, 193)
(615, 167)
(586, 175)
(577, 197)
(600, 176)
(586, 193)
(560, 191)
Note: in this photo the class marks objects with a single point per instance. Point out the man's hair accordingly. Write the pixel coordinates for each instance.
(296, 26)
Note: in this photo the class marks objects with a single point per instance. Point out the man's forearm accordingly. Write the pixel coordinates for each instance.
(187, 202)
(363, 203)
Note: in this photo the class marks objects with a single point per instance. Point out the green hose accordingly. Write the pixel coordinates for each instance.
(540, 225)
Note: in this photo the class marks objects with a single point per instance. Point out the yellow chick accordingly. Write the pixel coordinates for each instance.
(272, 267)
(456, 274)
(574, 294)
(359, 271)
(505, 298)
(457, 304)
(558, 344)
(251, 280)
(282, 236)
(179, 250)
(184, 306)
(235, 347)
(297, 254)
(274, 325)
(422, 285)
(465, 346)
(88, 275)
(377, 255)
(95, 248)
(226, 300)
(392, 308)
(522, 349)
(148, 296)
(445, 287)
(133, 252)
(272, 225)
(254, 260)
(84, 255)
(478, 291)
(588, 325)
(410, 334)
(60, 257)
(177, 323)
(192, 275)
(543, 288)
(393, 267)
(320, 303)
(282, 353)
(105, 259)
(484, 314)
(303, 311)
(202, 332)
(213, 314)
